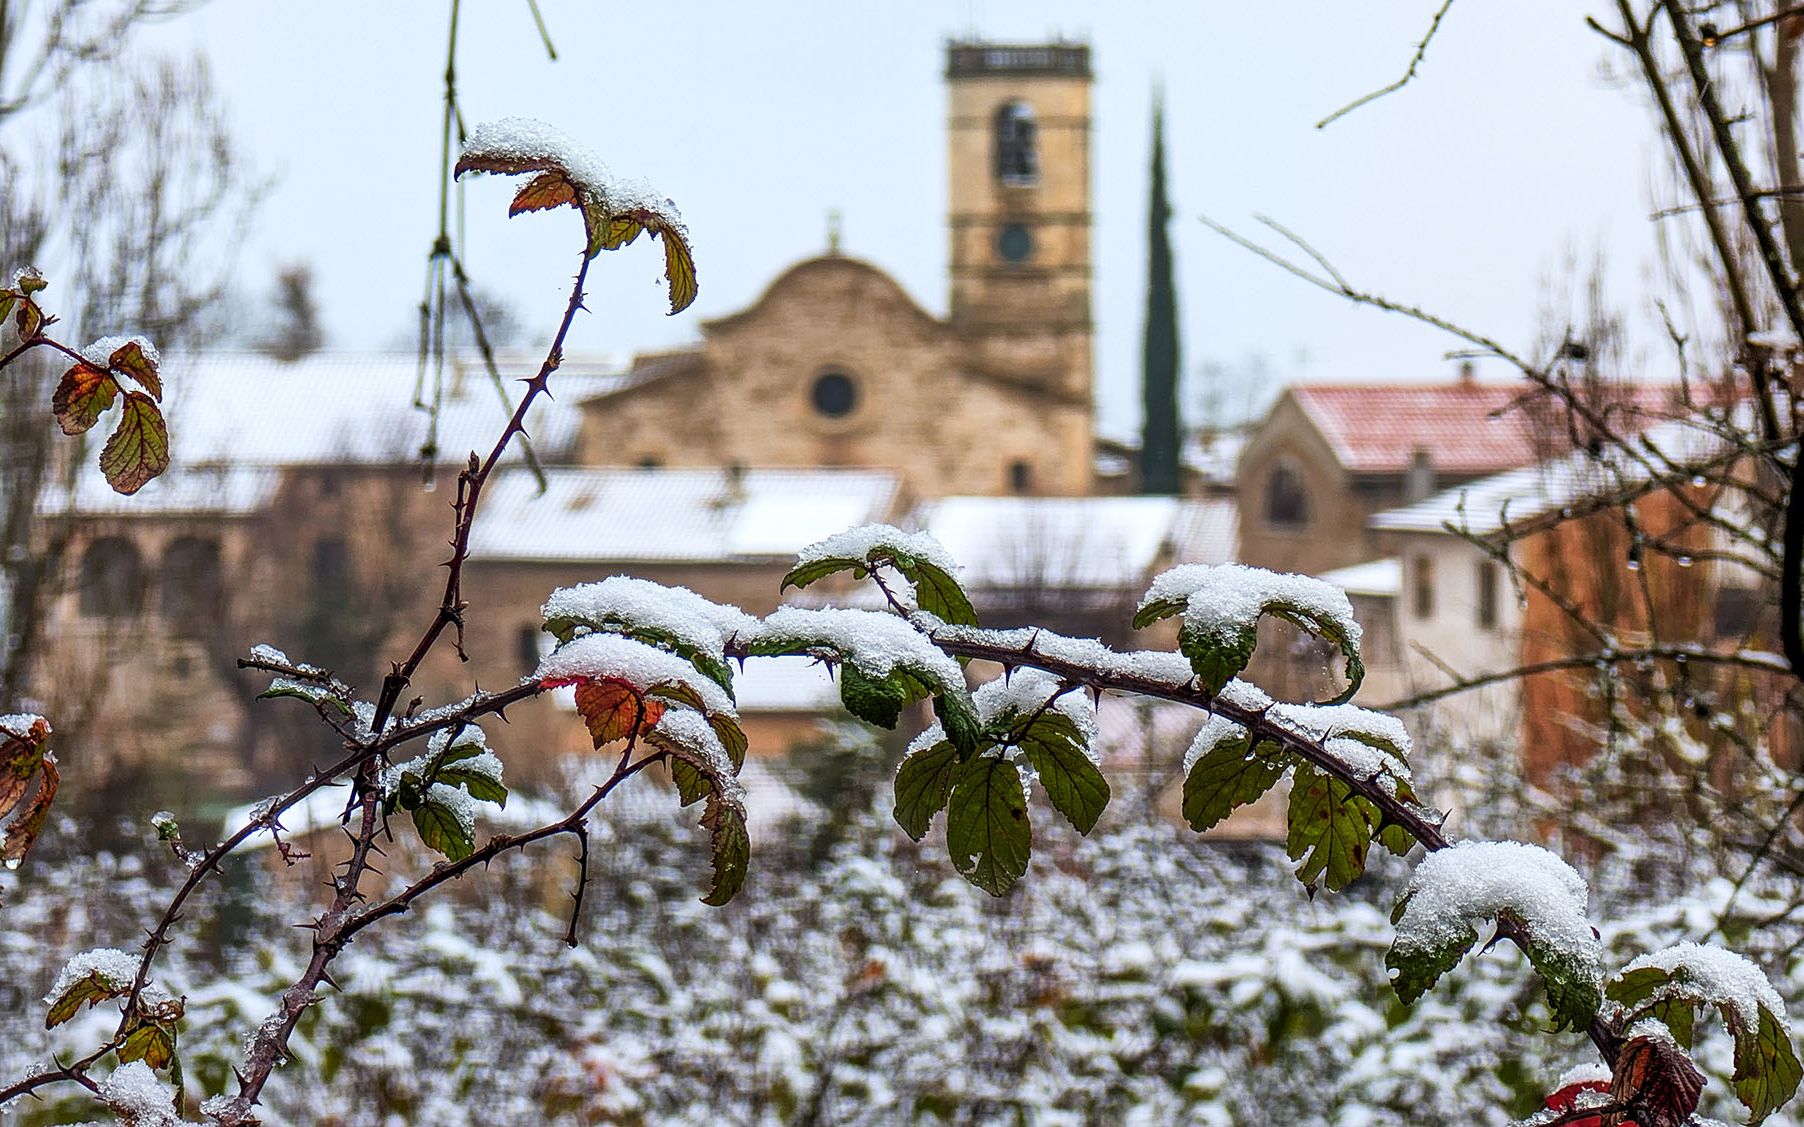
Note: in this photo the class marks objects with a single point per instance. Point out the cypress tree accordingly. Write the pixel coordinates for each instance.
(1161, 440)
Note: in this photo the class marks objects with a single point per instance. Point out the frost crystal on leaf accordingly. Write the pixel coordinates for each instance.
(115, 968)
(610, 657)
(677, 611)
(874, 641)
(135, 1094)
(858, 544)
(526, 142)
(1716, 977)
(1455, 890)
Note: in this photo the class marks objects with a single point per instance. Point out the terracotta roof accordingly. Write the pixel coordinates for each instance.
(1464, 427)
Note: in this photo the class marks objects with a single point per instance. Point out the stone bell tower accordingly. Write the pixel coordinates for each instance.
(1020, 212)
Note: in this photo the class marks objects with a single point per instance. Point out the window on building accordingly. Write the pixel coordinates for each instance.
(1487, 595)
(1422, 586)
(835, 395)
(1017, 164)
(192, 595)
(1020, 477)
(1286, 501)
(112, 579)
(528, 649)
(650, 462)
(1015, 243)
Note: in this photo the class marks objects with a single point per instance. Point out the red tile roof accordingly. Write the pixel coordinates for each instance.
(1465, 428)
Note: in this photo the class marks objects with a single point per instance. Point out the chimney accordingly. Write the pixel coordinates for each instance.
(1468, 374)
(1418, 483)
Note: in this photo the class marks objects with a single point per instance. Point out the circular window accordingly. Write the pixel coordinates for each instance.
(835, 395)
(1015, 243)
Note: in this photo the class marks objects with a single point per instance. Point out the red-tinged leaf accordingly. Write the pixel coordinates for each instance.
(614, 710)
(131, 359)
(23, 832)
(542, 193)
(1656, 1082)
(29, 320)
(21, 757)
(139, 449)
(83, 395)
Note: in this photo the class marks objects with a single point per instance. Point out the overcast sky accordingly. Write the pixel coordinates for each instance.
(1469, 191)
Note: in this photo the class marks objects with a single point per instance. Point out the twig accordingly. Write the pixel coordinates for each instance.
(1410, 73)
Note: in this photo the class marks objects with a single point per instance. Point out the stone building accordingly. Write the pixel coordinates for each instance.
(836, 365)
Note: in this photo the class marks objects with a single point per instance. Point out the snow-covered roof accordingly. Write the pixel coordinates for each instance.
(242, 408)
(1088, 542)
(1483, 507)
(673, 514)
(204, 491)
(1374, 577)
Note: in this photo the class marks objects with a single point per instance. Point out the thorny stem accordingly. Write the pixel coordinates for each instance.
(469, 493)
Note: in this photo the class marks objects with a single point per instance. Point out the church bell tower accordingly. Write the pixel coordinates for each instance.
(1020, 212)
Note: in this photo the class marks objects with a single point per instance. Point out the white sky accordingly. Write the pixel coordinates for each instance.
(1467, 192)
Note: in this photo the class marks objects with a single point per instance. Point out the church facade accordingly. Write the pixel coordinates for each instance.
(836, 365)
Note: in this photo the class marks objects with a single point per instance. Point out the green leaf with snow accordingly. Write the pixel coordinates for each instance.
(877, 700)
(816, 570)
(1228, 776)
(1767, 1069)
(987, 830)
(732, 737)
(1076, 789)
(923, 784)
(441, 831)
(1330, 830)
(301, 690)
(691, 784)
(482, 787)
(731, 847)
(936, 591)
(91, 989)
(1417, 968)
(1217, 660)
(566, 627)
(958, 717)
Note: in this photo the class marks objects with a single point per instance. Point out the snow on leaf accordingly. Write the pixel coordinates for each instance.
(135, 1095)
(446, 822)
(987, 830)
(1223, 771)
(1221, 605)
(1671, 984)
(567, 173)
(25, 759)
(138, 358)
(1454, 890)
(81, 397)
(675, 618)
(923, 784)
(920, 559)
(89, 979)
(139, 447)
